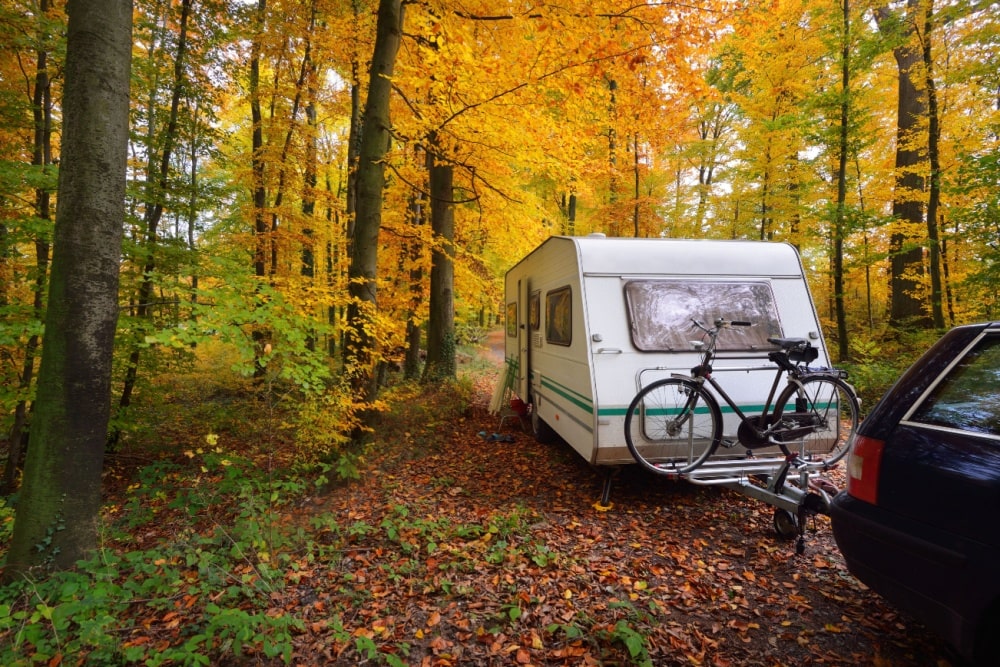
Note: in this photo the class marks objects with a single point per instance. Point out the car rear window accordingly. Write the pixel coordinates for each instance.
(968, 397)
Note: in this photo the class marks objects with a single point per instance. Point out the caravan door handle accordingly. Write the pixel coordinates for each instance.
(608, 350)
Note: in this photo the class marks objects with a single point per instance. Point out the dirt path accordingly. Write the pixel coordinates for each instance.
(495, 346)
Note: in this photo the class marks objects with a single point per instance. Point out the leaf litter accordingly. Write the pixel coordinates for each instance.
(459, 549)
(473, 552)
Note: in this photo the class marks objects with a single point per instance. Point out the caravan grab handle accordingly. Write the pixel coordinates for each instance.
(608, 350)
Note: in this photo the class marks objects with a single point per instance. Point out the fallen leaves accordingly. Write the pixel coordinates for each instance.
(527, 570)
(458, 552)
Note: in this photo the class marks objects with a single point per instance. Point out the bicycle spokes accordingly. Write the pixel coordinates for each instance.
(672, 426)
(821, 413)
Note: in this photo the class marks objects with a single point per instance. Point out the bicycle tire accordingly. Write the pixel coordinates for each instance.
(672, 426)
(829, 408)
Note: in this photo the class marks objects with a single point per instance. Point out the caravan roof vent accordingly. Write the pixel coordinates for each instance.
(597, 235)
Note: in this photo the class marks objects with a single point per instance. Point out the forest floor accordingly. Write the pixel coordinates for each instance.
(450, 549)
(672, 574)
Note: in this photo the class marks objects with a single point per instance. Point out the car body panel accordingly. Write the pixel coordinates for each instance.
(929, 544)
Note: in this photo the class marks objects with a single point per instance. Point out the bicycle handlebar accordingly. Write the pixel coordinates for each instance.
(721, 323)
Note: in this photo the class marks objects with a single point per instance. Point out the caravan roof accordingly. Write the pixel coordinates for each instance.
(600, 255)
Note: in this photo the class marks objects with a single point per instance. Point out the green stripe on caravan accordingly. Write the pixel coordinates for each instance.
(576, 399)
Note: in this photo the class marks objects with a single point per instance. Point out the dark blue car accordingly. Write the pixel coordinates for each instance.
(919, 522)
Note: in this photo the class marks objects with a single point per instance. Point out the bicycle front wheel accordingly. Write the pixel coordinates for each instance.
(672, 426)
(821, 413)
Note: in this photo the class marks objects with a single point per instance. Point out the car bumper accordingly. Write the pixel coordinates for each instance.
(910, 566)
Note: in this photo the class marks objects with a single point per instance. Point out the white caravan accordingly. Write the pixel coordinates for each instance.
(591, 320)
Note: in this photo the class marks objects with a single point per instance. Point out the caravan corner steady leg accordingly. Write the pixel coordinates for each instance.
(609, 475)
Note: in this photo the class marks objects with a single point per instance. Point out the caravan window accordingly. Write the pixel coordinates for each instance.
(660, 313)
(559, 316)
(512, 319)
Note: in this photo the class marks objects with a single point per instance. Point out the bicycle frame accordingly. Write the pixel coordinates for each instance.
(703, 373)
(732, 404)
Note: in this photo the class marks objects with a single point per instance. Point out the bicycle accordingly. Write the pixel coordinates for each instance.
(674, 425)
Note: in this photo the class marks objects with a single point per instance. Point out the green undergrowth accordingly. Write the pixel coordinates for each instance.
(876, 363)
(231, 591)
(193, 558)
(204, 549)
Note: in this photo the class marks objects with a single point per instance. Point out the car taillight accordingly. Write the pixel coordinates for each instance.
(863, 467)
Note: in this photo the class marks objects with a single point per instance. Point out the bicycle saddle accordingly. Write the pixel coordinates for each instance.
(789, 343)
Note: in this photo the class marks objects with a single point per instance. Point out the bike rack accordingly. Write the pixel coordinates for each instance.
(789, 484)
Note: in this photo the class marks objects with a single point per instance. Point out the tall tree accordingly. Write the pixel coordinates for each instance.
(441, 323)
(156, 179)
(375, 138)
(56, 520)
(839, 226)
(257, 185)
(934, 160)
(41, 157)
(907, 257)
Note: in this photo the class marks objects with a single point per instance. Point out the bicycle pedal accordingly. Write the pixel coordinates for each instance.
(728, 443)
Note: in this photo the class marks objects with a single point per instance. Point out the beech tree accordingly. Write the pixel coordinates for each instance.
(375, 135)
(41, 158)
(907, 265)
(56, 520)
(158, 172)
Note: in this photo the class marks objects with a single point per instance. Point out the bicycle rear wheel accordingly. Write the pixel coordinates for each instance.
(672, 426)
(821, 413)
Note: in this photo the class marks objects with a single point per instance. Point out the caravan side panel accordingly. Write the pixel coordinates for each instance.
(551, 342)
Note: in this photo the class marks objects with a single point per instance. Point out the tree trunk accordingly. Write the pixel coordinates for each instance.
(192, 212)
(259, 193)
(354, 141)
(412, 362)
(933, 155)
(907, 262)
(257, 148)
(375, 136)
(441, 321)
(303, 89)
(636, 231)
(615, 226)
(839, 231)
(571, 215)
(41, 105)
(56, 521)
(156, 187)
(351, 190)
(710, 130)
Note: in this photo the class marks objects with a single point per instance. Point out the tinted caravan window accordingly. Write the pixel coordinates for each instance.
(559, 316)
(660, 313)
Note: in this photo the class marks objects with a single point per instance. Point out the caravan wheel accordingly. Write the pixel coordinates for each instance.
(542, 431)
(786, 524)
